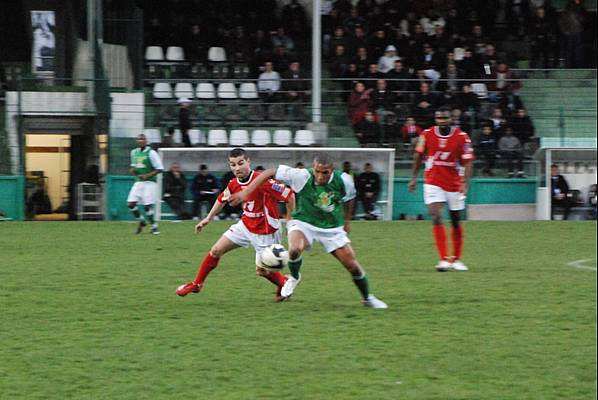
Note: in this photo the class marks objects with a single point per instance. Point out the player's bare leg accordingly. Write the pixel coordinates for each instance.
(297, 245)
(435, 210)
(346, 256)
(135, 211)
(457, 238)
(221, 247)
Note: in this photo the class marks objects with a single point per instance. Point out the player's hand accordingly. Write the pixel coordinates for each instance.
(412, 185)
(464, 190)
(347, 227)
(142, 177)
(201, 225)
(237, 198)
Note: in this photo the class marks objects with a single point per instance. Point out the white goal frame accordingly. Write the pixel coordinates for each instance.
(269, 157)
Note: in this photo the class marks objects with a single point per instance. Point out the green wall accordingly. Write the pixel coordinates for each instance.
(12, 196)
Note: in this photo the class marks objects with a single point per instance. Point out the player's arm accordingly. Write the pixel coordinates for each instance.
(418, 156)
(216, 208)
(240, 197)
(291, 205)
(468, 171)
(156, 164)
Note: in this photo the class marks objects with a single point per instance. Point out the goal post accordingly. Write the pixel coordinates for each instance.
(216, 158)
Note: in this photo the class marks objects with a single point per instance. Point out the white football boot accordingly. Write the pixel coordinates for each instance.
(457, 265)
(443, 266)
(374, 302)
(289, 286)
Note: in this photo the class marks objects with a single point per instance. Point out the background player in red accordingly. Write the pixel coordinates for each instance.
(259, 226)
(448, 158)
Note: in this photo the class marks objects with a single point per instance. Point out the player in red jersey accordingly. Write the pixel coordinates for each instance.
(259, 226)
(448, 158)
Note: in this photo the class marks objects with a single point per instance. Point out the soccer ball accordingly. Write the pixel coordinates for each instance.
(275, 257)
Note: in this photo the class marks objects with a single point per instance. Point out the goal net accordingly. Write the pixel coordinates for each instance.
(216, 160)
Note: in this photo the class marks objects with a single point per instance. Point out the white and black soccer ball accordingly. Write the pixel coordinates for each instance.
(275, 257)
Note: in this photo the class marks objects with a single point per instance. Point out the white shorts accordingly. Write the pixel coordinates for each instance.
(241, 236)
(332, 238)
(144, 192)
(435, 194)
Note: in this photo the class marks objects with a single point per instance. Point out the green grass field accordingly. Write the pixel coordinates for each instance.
(88, 311)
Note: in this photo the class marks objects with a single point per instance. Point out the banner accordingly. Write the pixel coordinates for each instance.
(43, 24)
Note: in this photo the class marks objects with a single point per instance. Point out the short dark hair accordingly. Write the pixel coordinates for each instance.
(323, 158)
(203, 167)
(444, 109)
(237, 152)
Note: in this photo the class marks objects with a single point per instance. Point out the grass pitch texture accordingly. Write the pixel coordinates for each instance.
(88, 311)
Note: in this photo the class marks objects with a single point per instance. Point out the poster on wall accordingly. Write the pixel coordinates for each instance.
(43, 25)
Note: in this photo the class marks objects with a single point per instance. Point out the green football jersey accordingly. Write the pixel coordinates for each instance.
(321, 205)
(142, 163)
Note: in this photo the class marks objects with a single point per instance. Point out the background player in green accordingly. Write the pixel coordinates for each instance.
(145, 165)
(324, 205)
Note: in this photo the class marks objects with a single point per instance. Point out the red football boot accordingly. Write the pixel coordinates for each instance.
(187, 288)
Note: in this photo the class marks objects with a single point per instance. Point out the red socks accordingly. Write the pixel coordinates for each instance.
(457, 237)
(208, 264)
(440, 238)
(276, 278)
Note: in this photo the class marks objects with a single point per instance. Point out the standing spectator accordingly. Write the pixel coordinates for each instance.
(185, 120)
(410, 131)
(511, 150)
(387, 61)
(204, 189)
(368, 189)
(572, 24)
(296, 88)
(281, 39)
(559, 190)
(360, 102)
(174, 191)
(522, 126)
(168, 139)
(542, 34)
(486, 149)
(268, 85)
(294, 19)
(367, 130)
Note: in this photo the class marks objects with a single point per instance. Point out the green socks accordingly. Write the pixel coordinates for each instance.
(361, 282)
(294, 266)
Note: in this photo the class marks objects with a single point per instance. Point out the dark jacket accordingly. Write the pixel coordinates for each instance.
(368, 182)
(201, 183)
(173, 186)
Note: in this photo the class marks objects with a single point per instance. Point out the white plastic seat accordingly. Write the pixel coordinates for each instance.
(196, 136)
(162, 90)
(248, 91)
(216, 54)
(282, 137)
(480, 90)
(152, 135)
(154, 53)
(177, 136)
(217, 137)
(183, 90)
(227, 91)
(260, 137)
(205, 91)
(238, 137)
(175, 53)
(304, 137)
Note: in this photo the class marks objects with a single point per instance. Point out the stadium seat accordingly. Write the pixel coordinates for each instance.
(205, 91)
(227, 91)
(174, 53)
(216, 54)
(196, 136)
(304, 137)
(238, 137)
(183, 89)
(177, 137)
(162, 90)
(260, 137)
(152, 135)
(248, 91)
(154, 53)
(282, 137)
(217, 137)
(480, 90)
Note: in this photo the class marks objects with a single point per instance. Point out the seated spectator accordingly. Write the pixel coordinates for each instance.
(280, 59)
(296, 88)
(424, 105)
(592, 198)
(410, 131)
(503, 81)
(469, 65)
(350, 78)
(486, 149)
(168, 139)
(339, 62)
(39, 201)
(339, 39)
(391, 130)
(559, 190)
(174, 191)
(360, 102)
(511, 150)
(522, 126)
(387, 62)
(368, 189)
(398, 78)
(268, 85)
(466, 100)
(205, 190)
(461, 120)
(429, 59)
(450, 79)
(498, 122)
(357, 40)
(281, 39)
(362, 61)
(378, 44)
(367, 130)
(354, 22)
(383, 99)
(372, 76)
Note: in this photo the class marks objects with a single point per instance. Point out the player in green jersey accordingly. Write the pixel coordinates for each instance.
(324, 205)
(145, 165)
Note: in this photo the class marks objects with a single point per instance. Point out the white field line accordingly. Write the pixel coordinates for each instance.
(580, 264)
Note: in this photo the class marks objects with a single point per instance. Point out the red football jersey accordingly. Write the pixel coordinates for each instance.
(444, 157)
(260, 211)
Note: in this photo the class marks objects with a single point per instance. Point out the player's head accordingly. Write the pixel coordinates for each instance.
(239, 163)
(443, 117)
(323, 167)
(141, 140)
